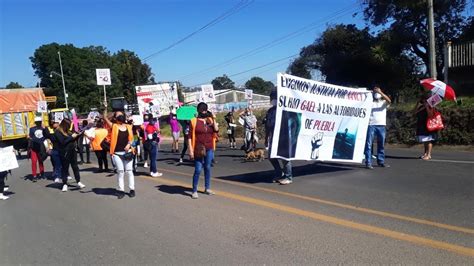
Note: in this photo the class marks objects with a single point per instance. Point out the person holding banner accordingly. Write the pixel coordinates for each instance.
(201, 146)
(377, 123)
(120, 147)
(283, 172)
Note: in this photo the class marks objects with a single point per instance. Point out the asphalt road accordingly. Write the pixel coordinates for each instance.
(415, 212)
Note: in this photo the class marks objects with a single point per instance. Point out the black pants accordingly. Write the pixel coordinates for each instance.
(102, 159)
(185, 147)
(3, 175)
(69, 158)
(81, 150)
(231, 135)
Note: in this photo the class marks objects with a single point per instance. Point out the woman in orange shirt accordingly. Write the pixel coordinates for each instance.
(100, 133)
(120, 145)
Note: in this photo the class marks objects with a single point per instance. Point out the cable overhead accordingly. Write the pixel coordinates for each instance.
(235, 9)
(277, 41)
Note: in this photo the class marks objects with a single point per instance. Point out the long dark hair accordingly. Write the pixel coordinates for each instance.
(64, 126)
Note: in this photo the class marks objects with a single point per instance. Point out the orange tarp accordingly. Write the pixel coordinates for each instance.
(20, 100)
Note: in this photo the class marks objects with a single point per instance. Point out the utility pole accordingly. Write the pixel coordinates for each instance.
(62, 77)
(432, 47)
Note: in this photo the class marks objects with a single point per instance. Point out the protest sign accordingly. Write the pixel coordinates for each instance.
(434, 100)
(103, 76)
(248, 94)
(319, 121)
(42, 107)
(7, 159)
(137, 120)
(157, 99)
(58, 117)
(208, 93)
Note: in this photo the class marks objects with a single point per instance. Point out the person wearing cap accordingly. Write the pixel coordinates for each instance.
(283, 168)
(36, 138)
(201, 146)
(377, 123)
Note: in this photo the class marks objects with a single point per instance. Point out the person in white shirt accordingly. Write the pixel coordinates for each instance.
(377, 123)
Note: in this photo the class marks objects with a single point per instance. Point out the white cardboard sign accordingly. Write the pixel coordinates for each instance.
(7, 159)
(248, 94)
(208, 93)
(103, 76)
(42, 107)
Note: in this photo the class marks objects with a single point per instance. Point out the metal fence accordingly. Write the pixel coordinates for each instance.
(461, 55)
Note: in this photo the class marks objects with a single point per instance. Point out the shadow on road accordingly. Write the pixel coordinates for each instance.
(103, 191)
(302, 170)
(401, 157)
(175, 190)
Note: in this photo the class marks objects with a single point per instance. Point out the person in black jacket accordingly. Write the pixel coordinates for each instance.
(67, 152)
(54, 151)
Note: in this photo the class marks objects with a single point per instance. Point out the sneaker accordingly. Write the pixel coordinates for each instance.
(194, 195)
(157, 174)
(145, 165)
(3, 197)
(34, 179)
(209, 192)
(180, 160)
(81, 185)
(57, 180)
(286, 181)
(69, 177)
(132, 193)
(120, 194)
(374, 157)
(384, 165)
(64, 188)
(6, 189)
(369, 167)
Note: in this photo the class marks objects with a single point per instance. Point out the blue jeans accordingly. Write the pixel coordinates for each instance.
(199, 163)
(372, 131)
(285, 171)
(56, 159)
(153, 156)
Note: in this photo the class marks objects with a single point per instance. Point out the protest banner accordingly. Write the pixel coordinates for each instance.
(58, 117)
(208, 93)
(158, 99)
(7, 159)
(42, 107)
(319, 121)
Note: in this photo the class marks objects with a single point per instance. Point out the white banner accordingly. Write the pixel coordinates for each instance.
(248, 94)
(319, 121)
(157, 99)
(7, 159)
(103, 76)
(208, 93)
(42, 107)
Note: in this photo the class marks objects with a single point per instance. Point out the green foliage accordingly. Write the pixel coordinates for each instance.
(223, 83)
(79, 65)
(260, 86)
(13, 85)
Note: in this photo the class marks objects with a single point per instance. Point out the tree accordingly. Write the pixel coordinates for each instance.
(223, 83)
(407, 20)
(349, 56)
(79, 65)
(260, 86)
(13, 85)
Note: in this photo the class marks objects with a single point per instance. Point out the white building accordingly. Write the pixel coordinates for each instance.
(227, 100)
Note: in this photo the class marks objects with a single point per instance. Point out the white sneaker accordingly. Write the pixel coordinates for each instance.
(210, 192)
(81, 185)
(69, 177)
(57, 180)
(180, 160)
(194, 195)
(286, 181)
(145, 164)
(157, 174)
(64, 188)
(5, 189)
(3, 197)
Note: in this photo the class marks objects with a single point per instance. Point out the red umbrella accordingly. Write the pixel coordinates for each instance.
(440, 88)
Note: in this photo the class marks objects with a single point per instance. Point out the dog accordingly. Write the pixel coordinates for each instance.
(255, 155)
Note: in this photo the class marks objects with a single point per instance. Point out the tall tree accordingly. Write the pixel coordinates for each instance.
(223, 83)
(79, 65)
(407, 20)
(13, 85)
(259, 85)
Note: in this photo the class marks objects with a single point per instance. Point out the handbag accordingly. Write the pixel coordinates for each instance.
(128, 156)
(200, 151)
(435, 122)
(105, 145)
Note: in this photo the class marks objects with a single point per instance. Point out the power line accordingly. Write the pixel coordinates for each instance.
(235, 9)
(279, 40)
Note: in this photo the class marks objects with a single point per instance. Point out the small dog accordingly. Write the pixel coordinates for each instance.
(255, 155)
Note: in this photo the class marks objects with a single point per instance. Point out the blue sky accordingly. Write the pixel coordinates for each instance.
(147, 26)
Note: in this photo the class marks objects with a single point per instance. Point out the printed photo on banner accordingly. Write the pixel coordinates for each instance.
(158, 99)
(208, 93)
(58, 117)
(319, 121)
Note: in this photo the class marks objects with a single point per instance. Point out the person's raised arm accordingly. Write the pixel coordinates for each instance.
(384, 96)
(106, 119)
